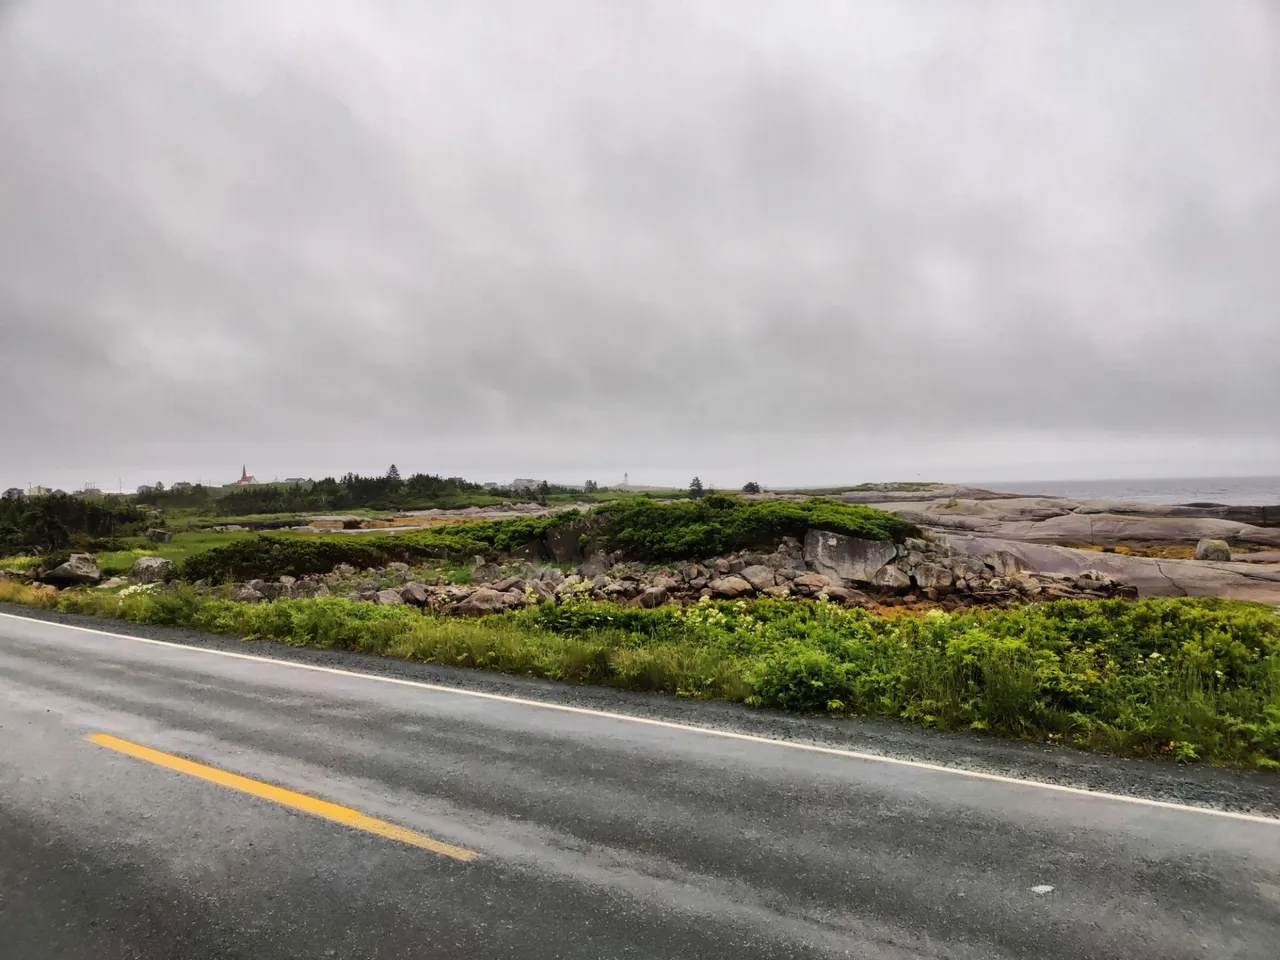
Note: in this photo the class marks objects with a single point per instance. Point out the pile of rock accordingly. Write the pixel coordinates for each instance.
(840, 569)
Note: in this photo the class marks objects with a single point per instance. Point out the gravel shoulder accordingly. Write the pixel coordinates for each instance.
(1217, 788)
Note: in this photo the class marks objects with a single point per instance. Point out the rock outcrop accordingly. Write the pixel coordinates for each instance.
(847, 558)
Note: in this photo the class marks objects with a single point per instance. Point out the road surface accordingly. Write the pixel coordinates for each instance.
(158, 801)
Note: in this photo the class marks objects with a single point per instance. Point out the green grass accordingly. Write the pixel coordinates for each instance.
(1189, 680)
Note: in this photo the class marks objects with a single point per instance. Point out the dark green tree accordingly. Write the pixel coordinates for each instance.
(695, 488)
(751, 487)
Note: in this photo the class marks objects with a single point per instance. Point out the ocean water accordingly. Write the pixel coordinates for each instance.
(1237, 491)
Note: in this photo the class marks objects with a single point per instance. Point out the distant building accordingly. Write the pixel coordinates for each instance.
(297, 480)
(145, 488)
(38, 491)
(245, 480)
(180, 487)
(13, 493)
(522, 483)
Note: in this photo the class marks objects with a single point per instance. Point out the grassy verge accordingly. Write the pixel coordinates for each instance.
(1183, 679)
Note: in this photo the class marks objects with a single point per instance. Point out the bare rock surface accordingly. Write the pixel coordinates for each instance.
(1151, 577)
(846, 558)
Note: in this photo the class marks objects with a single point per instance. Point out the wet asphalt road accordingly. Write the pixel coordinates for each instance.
(596, 836)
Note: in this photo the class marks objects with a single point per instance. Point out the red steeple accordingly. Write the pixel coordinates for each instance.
(244, 474)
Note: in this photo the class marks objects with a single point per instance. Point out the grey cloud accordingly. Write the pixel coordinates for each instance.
(713, 237)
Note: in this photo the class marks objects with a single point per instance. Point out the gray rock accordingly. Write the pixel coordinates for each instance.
(288, 581)
(808, 584)
(113, 582)
(415, 593)
(846, 558)
(1213, 550)
(650, 598)
(622, 588)
(81, 569)
(543, 591)
(389, 598)
(509, 583)
(759, 576)
(156, 535)
(933, 576)
(529, 551)
(730, 587)
(1006, 564)
(151, 570)
(550, 575)
(839, 594)
(485, 572)
(485, 601)
(891, 578)
(246, 594)
(595, 565)
(782, 590)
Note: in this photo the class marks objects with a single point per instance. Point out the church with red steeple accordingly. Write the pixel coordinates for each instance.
(245, 479)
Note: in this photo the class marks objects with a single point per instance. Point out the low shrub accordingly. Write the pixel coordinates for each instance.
(271, 557)
(716, 524)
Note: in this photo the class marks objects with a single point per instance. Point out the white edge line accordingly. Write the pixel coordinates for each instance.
(683, 727)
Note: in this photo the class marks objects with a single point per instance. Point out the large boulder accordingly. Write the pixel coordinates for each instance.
(759, 576)
(650, 598)
(846, 558)
(415, 593)
(485, 601)
(1213, 550)
(156, 535)
(891, 578)
(730, 587)
(530, 551)
(808, 584)
(80, 570)
(246, 594)
(151, 570)
(389, 598)
(933, 576)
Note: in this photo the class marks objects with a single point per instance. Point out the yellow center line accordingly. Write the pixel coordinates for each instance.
(286, 798)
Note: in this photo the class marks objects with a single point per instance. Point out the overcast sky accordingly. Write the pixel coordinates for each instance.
(795, 242)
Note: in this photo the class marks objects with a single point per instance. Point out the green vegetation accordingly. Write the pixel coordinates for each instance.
(1183, 679)
(273, 556)
(716, 524)
(641, 528)
(59, 522)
